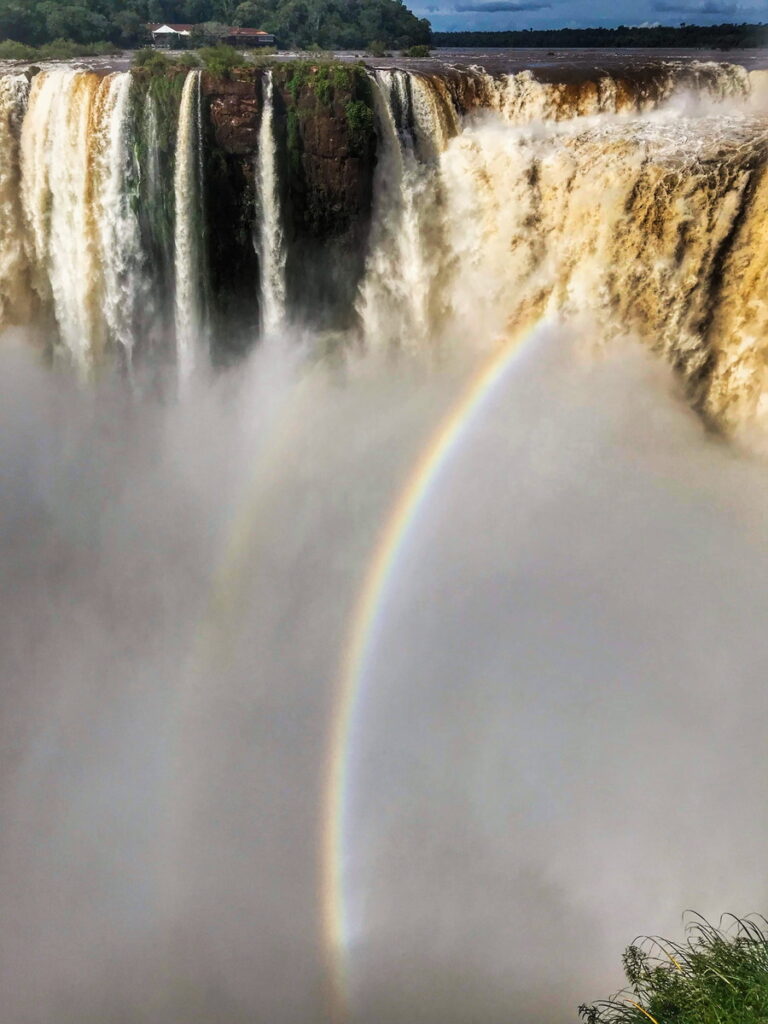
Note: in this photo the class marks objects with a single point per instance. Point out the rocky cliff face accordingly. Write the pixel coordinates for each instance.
(232, 128)
(326, 153)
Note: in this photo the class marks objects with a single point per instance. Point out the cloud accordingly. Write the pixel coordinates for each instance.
(708, 7)
(501, 5)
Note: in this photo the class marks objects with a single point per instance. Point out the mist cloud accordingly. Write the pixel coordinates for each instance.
(561, 727)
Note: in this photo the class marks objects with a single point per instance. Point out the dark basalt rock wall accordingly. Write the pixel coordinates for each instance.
(231, 117)
(324, 118)
(326, 155)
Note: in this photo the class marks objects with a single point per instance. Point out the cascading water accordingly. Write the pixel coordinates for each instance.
(394, 296)
(56, 153)
(496, 202)
(125, 288)
(152, 134)
(81, 229)
(14, 299)
(638, 224)
(188, 184)
(521, 98)
(271, 245)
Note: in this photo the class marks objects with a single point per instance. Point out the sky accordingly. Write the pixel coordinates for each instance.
(521, 14)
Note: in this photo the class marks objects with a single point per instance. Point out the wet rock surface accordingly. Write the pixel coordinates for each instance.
(325, 142)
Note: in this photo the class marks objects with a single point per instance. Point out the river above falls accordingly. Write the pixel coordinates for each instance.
(560, 65)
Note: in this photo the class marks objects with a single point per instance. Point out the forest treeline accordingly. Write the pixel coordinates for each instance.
(332, 24)
(706, 37)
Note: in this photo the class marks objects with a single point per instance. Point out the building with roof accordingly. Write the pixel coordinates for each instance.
(178, 37)
(171, 37)
(249, 37)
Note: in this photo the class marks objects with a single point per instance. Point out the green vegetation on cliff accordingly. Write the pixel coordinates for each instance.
(59, 49)
(331, 105)
(360, 122)
(323, 79)
(327, 23)
(710, 37)
(325, 152)
(221, 60)
(716, 977)
(155, 101)
(324, 124)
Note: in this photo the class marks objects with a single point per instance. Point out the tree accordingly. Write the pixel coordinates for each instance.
(253, 13)
(131, 28)
(225, 9)
(210, 33)
(196, 11)
(18, 21)
(76, 23)
(221, 60)
(326, 23)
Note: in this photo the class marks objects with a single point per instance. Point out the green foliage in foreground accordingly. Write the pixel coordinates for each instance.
(718, 976)
(59, 49)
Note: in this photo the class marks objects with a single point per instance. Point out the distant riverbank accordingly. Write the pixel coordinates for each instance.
(708, 37)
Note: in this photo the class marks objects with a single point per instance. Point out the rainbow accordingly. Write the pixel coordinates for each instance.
(212, 641)
(365, 617)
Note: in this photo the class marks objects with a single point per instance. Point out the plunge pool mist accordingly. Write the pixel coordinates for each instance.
(557, 741)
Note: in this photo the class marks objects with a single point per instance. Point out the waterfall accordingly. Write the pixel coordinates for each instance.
(56, 152)
(78, 188)
(433, 116)
(522, 98)
(151, 198)
(394, 303)
(651, 223)
(14, 305)
(270, 239)
(125, 288)
(188, 184)
(151, 130)
(631, 202)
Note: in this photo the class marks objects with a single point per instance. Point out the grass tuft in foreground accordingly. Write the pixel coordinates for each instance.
(717, 976)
